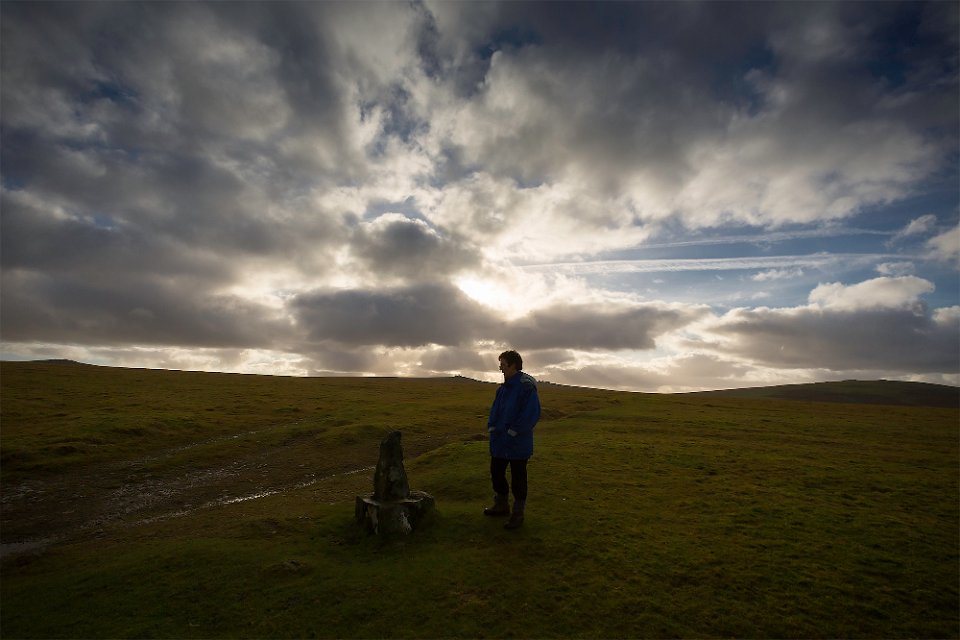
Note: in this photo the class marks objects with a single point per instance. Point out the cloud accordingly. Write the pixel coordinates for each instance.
(414, 316)
(183, 123)
(896, 268)
(917, 226)
(877, 325)
(892, 340)
(404, 187)
(533, 223)
(777, 274)
(328, 357)
(438, 314)
(692, 372)
(177, 89)
(39, 307)
(591, 328)
(452, 359)
(809, 141)
(890, 293)
(946, 246)
(394, 245)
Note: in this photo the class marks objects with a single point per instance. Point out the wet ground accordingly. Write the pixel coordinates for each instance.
(90, 502)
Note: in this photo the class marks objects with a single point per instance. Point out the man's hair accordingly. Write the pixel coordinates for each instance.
(513, 358)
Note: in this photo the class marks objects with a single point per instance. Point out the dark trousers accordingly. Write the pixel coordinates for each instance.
(518, 474)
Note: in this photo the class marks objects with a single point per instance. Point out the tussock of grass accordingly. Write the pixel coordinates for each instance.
(649, 516)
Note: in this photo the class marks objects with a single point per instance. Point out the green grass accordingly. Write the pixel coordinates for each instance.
(649, 515)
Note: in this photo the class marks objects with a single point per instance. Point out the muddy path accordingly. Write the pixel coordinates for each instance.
(96, 501)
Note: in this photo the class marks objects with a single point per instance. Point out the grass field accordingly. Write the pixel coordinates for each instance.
(130, 510)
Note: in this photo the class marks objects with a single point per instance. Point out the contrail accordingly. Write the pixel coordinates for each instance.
(813, 261)
(770, 237)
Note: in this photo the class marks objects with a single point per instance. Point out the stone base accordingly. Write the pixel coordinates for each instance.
(394, 516)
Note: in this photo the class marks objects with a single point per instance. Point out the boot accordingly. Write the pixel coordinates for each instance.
(516, 518)
(501, 506)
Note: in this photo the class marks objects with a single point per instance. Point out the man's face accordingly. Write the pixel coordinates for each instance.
(508, 370)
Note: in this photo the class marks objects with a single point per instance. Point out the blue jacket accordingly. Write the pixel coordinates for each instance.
(513, 416)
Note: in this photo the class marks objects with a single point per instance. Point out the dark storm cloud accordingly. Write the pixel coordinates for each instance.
(148, 311)
(40, 238)
(157, 129)
(879, 339)
(204, 232)
(396, 246)
(412, 316)
(439, 314)
(139, 175)
(155, 155)
(184, 80)
(552, 357)
(589, 327)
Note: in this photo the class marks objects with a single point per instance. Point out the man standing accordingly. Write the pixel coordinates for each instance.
(514, 414)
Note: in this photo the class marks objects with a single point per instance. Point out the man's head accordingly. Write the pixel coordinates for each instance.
(510, 364)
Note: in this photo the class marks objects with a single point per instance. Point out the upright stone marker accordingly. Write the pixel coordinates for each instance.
(392, 507)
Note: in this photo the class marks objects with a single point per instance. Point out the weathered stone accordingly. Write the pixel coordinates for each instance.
(396, 516)
(392, 508)
(390, 478)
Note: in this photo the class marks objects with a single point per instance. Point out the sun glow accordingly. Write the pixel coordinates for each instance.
(486, 292)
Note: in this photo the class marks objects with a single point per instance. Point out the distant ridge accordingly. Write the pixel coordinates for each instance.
(879, 392)
(890, 392)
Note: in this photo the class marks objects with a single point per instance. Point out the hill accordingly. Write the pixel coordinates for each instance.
(175, 504)
(889, 392)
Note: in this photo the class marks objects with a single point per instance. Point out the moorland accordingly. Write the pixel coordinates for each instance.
(149, 503)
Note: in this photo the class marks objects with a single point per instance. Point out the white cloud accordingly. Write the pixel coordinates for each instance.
(946, 246)
(917, 226)
(896, 268)
(533, 224)
(890, 293)
(777, 274)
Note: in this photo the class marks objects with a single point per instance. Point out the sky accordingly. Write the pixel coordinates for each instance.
(647, 196)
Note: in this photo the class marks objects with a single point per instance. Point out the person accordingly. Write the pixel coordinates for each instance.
(513, 416)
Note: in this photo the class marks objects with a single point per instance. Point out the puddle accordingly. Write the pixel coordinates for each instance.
(255, 496)
(264, 493)
(135, 496)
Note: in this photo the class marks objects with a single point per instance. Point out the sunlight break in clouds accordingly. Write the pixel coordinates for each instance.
(387, 188)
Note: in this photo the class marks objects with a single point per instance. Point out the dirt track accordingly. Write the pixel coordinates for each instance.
(88, 502)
